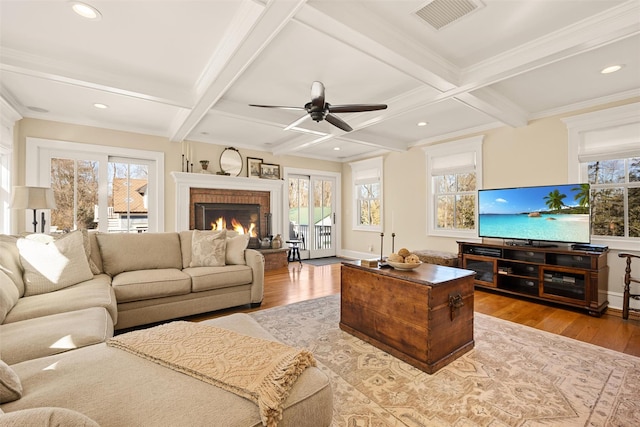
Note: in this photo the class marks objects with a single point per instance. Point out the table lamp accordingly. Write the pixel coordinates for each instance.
(35, 198)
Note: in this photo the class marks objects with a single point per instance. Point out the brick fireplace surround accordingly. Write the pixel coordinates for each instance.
(244, 197)
(207, 187)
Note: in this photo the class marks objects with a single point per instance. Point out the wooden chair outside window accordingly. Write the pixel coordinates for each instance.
(628, 280)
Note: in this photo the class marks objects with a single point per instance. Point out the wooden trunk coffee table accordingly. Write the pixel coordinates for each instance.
(422, 316)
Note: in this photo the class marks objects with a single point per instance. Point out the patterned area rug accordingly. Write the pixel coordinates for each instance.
(515, 376)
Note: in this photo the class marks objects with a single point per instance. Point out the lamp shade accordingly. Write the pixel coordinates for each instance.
(24, 197)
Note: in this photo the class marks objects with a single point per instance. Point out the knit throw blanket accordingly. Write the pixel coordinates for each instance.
(256, 369)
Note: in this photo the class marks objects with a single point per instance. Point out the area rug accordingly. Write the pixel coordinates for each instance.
(515, 376)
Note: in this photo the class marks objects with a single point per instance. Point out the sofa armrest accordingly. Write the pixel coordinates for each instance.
(255, 260)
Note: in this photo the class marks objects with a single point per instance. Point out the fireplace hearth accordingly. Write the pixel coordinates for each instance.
(243, 218)
(192, 188)
(247, 212)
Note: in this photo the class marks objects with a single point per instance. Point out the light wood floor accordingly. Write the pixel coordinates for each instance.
(294, 284)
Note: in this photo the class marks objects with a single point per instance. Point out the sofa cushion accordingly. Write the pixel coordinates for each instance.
(57, 333)
(147, 284)
(130, 252)
(96, 292)
(234, 252)
(207, 278)
(8, 295)
(10, 261)
(47, 417)
(208, 248)
(55, 265)
(126, 381)
(10, 386)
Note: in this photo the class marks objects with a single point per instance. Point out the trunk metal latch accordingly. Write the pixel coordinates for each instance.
(455, 302)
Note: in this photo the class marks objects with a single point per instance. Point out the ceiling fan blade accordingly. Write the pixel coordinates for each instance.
(317, 94)
(297, 122)
(355, 108)
(282, 107)
(338, 122)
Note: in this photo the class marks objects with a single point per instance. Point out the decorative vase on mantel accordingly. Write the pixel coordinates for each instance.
(205, 166)
(276, 243)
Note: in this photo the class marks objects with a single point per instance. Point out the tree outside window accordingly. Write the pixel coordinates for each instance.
(615, 197)
(75, 188)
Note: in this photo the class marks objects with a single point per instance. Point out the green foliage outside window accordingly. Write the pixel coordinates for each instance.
(615, 185)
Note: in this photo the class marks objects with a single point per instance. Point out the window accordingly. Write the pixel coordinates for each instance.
(108, 188)
(367, 190)
(604, 150)
(454, 171)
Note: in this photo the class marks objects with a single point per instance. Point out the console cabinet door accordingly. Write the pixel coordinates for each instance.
(486, 269)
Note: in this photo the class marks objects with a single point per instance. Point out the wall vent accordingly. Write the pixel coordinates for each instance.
(440, 13)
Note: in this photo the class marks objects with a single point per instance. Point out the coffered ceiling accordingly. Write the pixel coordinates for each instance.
(188, 70)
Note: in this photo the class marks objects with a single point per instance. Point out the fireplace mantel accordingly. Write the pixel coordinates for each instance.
(187, 180)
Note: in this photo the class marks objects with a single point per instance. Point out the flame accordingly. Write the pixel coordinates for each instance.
(221, 224)
(237, 226)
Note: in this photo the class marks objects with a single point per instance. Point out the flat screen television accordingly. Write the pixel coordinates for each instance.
(550, 213)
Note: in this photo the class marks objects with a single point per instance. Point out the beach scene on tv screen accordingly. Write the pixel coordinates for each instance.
(558, 213)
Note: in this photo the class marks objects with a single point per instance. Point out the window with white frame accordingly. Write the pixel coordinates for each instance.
(604, 150)
(109, 188)
(367, 178)
(454, 174)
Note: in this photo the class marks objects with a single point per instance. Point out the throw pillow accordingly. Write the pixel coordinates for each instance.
(55, 265)
(235, 249)
(48, 238)
(208, 248)
(10, 386)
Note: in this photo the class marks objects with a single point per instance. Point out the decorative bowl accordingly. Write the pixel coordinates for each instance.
(403, 265)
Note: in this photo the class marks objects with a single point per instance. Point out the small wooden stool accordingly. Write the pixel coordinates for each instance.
(294, 251)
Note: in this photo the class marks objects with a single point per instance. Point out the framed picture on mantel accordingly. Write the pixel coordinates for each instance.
(269, 171)
(253, 167)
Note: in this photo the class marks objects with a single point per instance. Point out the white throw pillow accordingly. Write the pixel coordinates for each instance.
(208, 248)
(235, 249)
(48, 238)
(54, 265)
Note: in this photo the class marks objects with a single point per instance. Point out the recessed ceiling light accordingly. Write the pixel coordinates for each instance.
(86, 11)
(100, 106)
(422, 123)
(336, 148)
(611, 69)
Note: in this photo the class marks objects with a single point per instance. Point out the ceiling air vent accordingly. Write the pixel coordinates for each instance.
(440, 13)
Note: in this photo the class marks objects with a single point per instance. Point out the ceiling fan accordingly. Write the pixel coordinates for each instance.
(320, 110)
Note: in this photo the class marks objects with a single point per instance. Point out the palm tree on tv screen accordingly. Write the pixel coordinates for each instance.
(554, 200)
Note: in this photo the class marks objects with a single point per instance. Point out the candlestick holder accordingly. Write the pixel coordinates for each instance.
(182, 164)
(393, 242)
(383, 261)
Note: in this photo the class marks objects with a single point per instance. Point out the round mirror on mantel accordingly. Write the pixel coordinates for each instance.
(230, 162)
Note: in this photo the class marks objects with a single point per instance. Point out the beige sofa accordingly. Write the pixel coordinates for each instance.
(129, 390)
(154, 280)
(111, 281)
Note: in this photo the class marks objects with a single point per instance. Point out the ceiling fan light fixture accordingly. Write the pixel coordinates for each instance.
(86, 11)
(611, 69)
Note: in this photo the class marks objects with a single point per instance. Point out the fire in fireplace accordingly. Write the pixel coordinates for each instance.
(243, 218)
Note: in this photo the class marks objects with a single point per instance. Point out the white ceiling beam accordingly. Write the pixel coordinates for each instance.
(490, 102)
(599, 30)
(249, 34)
(61, 72)
(397, 52)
